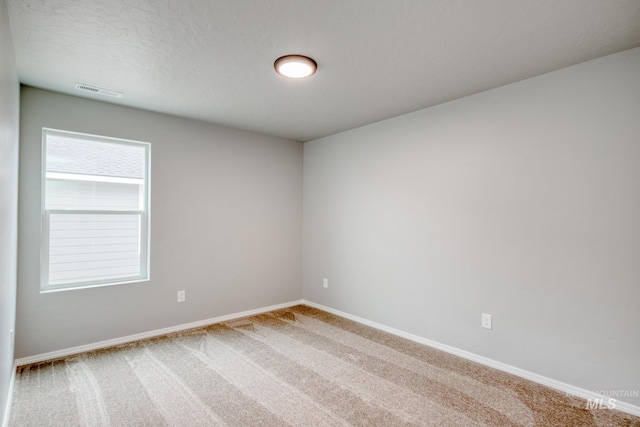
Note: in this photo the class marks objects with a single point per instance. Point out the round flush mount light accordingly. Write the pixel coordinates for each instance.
(295, 66)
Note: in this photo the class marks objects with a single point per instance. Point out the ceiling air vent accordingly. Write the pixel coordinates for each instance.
(98, 90)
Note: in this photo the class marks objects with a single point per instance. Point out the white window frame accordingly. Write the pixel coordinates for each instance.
(144, 215)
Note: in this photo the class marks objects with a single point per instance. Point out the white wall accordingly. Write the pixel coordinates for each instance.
(522, 202)
(226, 222)
(9, 101)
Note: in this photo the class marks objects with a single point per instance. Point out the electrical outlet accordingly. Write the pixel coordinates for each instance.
(182, 296)
(486, 321)
(325, 283)
(11, 340)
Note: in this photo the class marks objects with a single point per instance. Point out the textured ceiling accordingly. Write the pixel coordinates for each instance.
(213, 59)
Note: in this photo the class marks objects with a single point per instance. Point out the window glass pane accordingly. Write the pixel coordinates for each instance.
(84, 156)
(93, 195)
(93, 175)
(93, 247)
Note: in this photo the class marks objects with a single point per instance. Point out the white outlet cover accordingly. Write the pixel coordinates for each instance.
(487, 321)
(181, 296)
(325, 283)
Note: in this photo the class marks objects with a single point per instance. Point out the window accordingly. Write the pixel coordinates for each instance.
(95, 210)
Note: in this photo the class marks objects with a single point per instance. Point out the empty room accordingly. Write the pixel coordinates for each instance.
(319, 213)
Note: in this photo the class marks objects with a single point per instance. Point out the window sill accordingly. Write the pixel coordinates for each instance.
(88, 286)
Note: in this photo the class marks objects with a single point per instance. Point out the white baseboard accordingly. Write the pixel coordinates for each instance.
(150, 334)
(557, 385)
(7, 409)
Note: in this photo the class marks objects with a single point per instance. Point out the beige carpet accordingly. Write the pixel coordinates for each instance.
(296, 367)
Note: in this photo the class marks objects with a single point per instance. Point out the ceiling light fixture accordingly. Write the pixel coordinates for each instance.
(295, 66)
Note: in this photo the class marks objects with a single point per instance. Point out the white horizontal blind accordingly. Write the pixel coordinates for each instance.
(95, 210)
